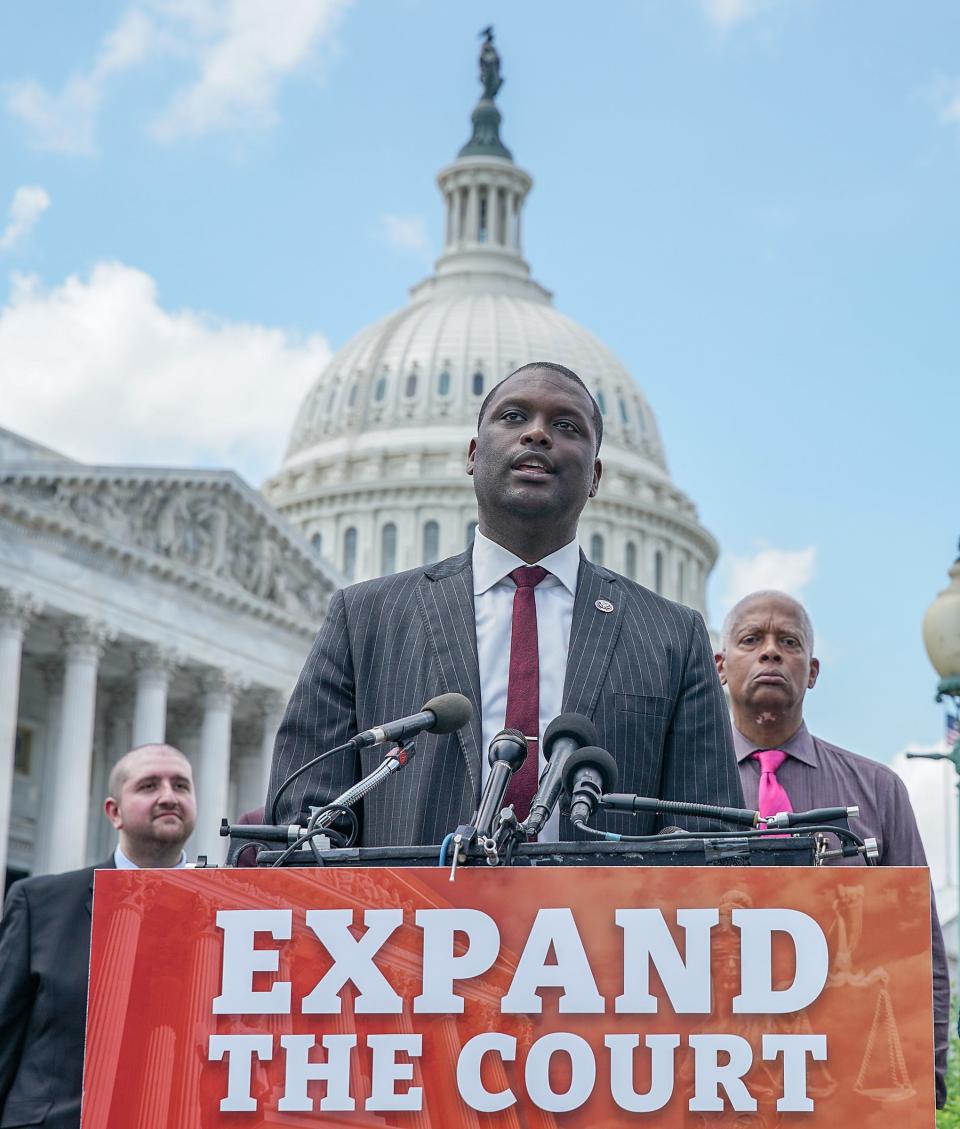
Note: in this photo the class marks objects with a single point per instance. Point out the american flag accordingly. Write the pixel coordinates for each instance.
(952, 728)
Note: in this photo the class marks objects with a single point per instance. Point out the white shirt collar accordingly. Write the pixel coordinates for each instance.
(492, 562)
(123, 863)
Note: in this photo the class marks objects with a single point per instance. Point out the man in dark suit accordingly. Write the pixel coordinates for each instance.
(524, 626)
(45, 941)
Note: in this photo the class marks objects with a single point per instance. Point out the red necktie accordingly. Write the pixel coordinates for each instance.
(523, 686)
(772, 796)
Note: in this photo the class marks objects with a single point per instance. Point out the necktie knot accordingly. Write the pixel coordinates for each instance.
(528, 576)
(770, 759)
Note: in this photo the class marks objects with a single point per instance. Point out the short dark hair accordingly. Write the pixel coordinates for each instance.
(553, 366)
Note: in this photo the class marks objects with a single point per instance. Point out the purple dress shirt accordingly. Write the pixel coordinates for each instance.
(817, 774)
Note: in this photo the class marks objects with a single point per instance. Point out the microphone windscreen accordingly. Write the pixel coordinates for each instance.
(452, 712)
(573, 725)
(598, 759)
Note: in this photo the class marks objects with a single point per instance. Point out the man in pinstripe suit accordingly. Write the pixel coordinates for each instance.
(638, 665)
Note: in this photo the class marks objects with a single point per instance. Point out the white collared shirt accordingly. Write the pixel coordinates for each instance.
(493, 593)
(121, 861)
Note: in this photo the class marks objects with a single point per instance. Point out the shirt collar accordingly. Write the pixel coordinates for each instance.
(123, 863)
(800, 746)
(492, 562)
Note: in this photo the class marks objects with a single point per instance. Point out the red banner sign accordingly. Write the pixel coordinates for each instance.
(510, 998)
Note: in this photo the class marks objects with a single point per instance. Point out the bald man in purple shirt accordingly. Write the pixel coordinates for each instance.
(768, 665)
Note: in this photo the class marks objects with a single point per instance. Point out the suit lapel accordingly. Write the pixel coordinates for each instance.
(446, 603)
(109, 864)
(593, 635)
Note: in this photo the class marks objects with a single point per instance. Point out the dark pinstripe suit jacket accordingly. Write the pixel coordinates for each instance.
(644, 673)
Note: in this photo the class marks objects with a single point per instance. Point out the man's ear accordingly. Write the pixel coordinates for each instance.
(814, 673)
(112, 811)
(597, 473)
(471, 455)
(718, 659)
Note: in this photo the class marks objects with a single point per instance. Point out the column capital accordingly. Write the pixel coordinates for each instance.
(152, 659)
(17, 609)
(221, 687)
(271, 703)
(86, 638)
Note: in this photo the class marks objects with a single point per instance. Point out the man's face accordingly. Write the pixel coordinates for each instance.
(535, 453)
(156, 805)
(767, 663)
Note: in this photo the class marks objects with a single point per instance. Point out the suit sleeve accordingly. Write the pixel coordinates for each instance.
(319, 716)
(904, 847)
(699, 762)
(17, 988)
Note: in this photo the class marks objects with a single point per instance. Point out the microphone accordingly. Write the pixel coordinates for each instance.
(587, 774)
(814, 816)
(563, 736)
(443, 714)
(507, 752)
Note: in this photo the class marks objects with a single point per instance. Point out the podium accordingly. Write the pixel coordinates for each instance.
(528, 996)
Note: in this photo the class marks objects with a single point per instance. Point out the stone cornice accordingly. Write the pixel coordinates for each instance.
(205, 531)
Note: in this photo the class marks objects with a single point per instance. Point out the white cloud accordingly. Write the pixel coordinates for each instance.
(238, 51)
(407, 233)
(29, 203)
(786, 570)
(63, 122)
(728, 13)
(99, 370)
(944, 94)
(242, 50)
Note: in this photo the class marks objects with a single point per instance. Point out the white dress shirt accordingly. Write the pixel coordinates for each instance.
(123, 863)
(493, 593)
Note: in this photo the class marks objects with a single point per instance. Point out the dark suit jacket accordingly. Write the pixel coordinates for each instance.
(44, 965)
(644, 673)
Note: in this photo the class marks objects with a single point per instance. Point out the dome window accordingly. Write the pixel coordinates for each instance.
(630, 561)
(431, 542)
(410, 388)
(380, 389)
(388, 549)
(331, 400)
(624, 414)
(601, 403)
(681, 578)
(443, 383)
(641, 422)
(352, 398)
(317, 542)
(350, 553)
(596, 549)
(658, 572)
(484, 217)
(478, 383)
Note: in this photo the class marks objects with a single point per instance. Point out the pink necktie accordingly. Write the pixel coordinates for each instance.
(523, 686)
(772, 796)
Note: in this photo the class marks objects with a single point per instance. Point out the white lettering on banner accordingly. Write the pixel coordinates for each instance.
(662, 1050)
(646, 941)
(709, 1075)
(583, 1072)
(239, 1050)
(353, 960)
(387, 1072)
(241, 960)
(795, 1049)
(556, 929)
(472, 1090)
(440, 927)
(335, 1071)
(757, 994)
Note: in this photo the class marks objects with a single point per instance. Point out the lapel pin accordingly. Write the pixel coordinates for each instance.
(603, 606)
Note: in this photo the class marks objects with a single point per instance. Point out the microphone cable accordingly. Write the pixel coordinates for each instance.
(313, 831)
(298, 772)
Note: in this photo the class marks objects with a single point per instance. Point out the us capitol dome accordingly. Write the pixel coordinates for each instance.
(374, 470)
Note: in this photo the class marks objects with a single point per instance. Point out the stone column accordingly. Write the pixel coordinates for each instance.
(44, 849)
(15, 614)
(213, 769)
(154, 666)
(273, 705)
(472, 232)
(84, 641)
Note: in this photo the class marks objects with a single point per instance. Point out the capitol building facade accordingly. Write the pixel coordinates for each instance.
(151, 604)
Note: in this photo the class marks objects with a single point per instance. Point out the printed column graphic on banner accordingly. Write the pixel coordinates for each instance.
(512, 999)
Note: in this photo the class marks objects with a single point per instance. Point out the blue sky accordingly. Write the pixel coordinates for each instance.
(753, 202)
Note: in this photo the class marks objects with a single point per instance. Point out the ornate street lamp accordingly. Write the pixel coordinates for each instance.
(941, 637)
